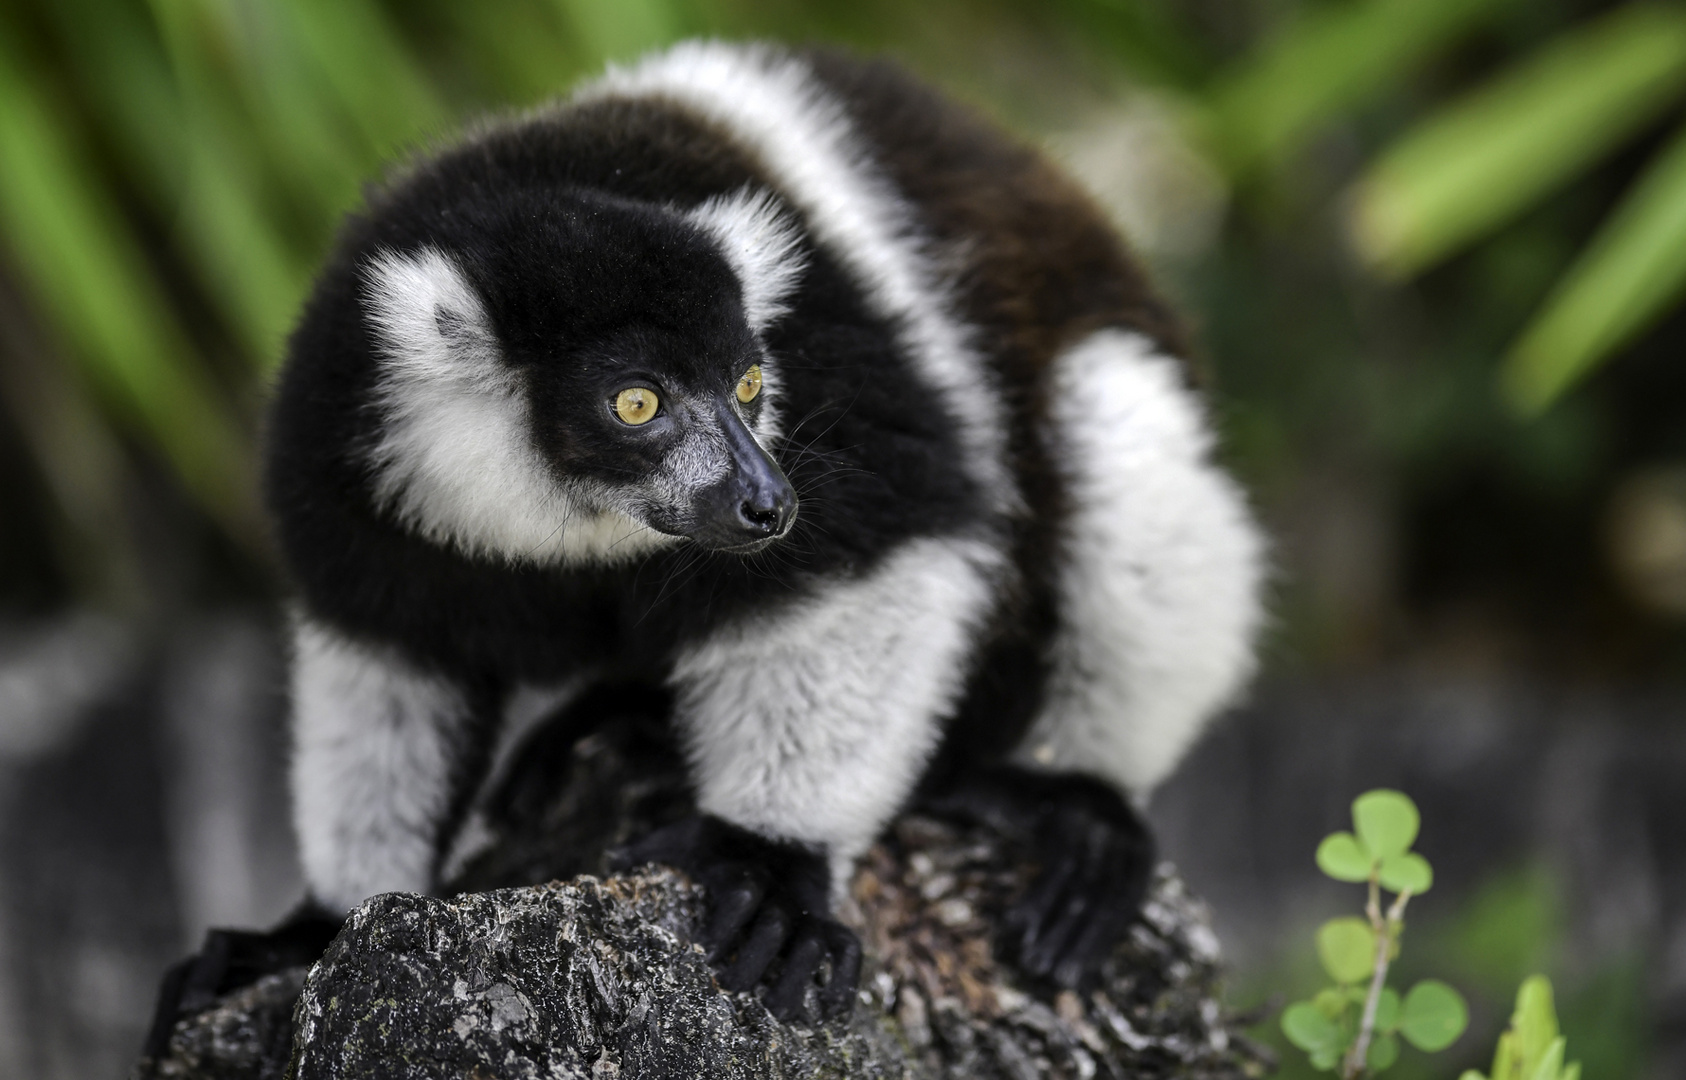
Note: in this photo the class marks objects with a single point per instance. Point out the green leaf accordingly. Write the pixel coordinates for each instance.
(1549, 1064)
(1331, 1002)
(1408, 871)
(1328, 62)
(1325, 1057)
(1307, 1027)
(1384, 1051)
(1472, 1074)
(1343, 857)
(1386, 821)
(1347, 947)
(1484, 159)
(1571, 1071)
(1534, 1022)
(1387, 1009)
(1433, 1016)
(1632, 272)
(1504, 1057)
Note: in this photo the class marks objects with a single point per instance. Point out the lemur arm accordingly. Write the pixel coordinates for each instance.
(382, 751)
(806, 730)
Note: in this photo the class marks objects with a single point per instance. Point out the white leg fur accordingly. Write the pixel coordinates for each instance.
(374, 741)
(1159, 589)
(813, 724)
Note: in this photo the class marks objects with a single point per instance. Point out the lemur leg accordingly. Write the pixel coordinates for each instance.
(1158, 606)
(806, 731)
(379, 754)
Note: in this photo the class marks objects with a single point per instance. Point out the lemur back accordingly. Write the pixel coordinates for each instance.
(781, 380)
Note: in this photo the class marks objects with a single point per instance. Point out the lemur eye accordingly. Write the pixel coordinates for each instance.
(749, 387)
(636, 405)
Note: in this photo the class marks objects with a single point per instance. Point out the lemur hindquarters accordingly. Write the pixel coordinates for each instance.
(777, 378)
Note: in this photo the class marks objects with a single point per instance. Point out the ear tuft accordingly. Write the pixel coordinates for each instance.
(763, 244)
(426, 318)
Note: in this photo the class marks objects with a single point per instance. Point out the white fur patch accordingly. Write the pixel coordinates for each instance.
(803, 138)
(813, 723)
(374, 739)
(454, 458)
(763, 246)
(1159, 589)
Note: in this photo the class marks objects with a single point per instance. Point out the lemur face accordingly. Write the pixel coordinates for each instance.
(618, 342)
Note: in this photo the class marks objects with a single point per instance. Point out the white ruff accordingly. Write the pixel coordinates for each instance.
(374, 740)
(812, 723)
(802, 137)
(1159, 586)
(454, 459)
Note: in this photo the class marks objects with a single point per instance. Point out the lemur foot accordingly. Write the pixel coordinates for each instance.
(230, 959)
(767, 903)
(1095, 859)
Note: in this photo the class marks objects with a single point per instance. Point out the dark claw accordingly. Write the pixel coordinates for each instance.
(764, 899)
(758, 951)
(1095, 855)
(730, 909)
(839, 994)
(786, 998)
(1032, 912)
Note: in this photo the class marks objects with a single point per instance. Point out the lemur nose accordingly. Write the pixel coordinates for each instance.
(765, 516)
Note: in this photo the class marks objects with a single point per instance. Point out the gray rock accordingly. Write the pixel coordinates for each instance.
(594, 977)
(599, 979)
(585, 979)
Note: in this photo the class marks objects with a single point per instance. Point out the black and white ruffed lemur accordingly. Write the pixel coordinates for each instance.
(776, 379)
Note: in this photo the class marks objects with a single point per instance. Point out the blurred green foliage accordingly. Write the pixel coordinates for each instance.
(1403, 193)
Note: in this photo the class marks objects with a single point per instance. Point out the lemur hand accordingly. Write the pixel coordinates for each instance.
(767, 902)
(231, 959)
(1095, 859)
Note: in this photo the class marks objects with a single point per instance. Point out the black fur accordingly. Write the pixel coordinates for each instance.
(568, 226)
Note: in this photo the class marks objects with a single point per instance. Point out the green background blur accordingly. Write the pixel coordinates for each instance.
(1433, 250)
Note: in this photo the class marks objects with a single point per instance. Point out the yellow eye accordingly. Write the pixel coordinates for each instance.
(749, 387)
(636, 405)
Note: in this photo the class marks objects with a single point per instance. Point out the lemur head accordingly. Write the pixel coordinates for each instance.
(578, 378)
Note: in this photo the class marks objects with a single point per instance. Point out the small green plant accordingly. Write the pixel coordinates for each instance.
(1356, 1024)
(1532, 1049)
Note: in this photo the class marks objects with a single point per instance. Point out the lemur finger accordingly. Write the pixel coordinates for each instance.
(1086, 943)
(1088, 950)
(1030, 913)
(839, 993)
(668, 844)
(786, 997)
(1040, 956)
(731, 903)
(762, 944)
(1085, 843)
(1115, 899)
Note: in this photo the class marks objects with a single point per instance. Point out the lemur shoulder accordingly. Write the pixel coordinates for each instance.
(777, 379)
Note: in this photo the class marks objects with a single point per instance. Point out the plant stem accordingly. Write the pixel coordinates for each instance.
(1386, 928)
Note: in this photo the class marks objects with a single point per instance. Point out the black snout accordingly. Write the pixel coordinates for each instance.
(753, 504)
